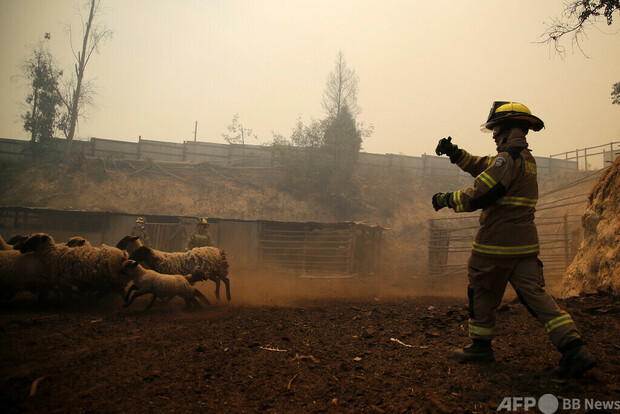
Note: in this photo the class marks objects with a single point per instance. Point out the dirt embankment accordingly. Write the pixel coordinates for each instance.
(597, 264)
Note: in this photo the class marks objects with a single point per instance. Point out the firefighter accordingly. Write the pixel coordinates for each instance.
(506, 246)
(201, 237)
(140, 231)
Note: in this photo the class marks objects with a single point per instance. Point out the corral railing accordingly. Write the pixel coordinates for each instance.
(591, 158)
(318, 248)
(559, 230)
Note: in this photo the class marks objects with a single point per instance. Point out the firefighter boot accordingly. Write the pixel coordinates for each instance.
(478, 351)
(574, 363)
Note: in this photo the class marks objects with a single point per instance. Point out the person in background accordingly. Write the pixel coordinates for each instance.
(506, 247)
(201, 237)
(140, 231)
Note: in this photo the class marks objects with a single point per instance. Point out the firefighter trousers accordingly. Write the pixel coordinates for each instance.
(488, 278)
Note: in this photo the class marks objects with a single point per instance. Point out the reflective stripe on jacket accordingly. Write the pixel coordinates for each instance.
(506, 189)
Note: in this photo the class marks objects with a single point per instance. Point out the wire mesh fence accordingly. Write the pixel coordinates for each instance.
(557, 220)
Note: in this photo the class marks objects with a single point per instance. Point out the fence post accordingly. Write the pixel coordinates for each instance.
(550, 165)
(438, 249)
(431, 249)
(566, 242)
(577, 158)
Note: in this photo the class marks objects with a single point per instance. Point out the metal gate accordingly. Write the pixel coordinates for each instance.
(307, 248)
(450, 242)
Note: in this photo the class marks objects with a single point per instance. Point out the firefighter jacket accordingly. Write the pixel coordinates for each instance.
(199, 239)
(506, 189)
(141, 232)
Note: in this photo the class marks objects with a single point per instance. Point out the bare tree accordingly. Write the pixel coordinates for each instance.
(576, 16)
(79, 92)
(238, 134)
(341, 90)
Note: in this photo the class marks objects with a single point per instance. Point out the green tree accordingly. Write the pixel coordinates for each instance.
(303, 158)
(343, 136)
(321, 158)
(42, 116)
(342, 142)
(615, 93)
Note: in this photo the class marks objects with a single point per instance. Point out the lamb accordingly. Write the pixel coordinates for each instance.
(159, 285)
(210, 260)
(93, 271)
(129, 243)
(77, 241)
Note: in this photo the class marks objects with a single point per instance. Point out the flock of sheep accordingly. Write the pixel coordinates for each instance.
(78, 271)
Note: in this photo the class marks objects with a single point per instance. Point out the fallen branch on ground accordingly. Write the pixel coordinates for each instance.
(272, 349)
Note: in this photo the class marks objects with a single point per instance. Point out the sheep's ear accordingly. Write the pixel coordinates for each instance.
(18, 238)
(130, 263)
(31, 243)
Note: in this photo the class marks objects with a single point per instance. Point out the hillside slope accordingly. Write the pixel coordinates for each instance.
(597, 264)
(155, 189)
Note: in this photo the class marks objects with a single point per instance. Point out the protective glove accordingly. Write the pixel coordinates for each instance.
(440, 200)
(445, 146)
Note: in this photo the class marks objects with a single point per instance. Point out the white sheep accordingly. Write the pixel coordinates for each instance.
(93, 271)
(211, 261)
(160, 285)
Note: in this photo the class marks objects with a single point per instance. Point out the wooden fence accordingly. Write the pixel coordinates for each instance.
(234, 155)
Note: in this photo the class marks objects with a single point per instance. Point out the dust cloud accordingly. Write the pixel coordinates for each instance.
(282, 288)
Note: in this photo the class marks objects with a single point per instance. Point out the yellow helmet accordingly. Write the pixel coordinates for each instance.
(140, 220)
(203, 221)
(504, 110)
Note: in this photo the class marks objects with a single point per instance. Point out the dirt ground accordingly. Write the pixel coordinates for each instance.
(291, 346)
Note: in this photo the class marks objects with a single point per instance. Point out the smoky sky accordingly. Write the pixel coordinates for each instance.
(426, 69)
